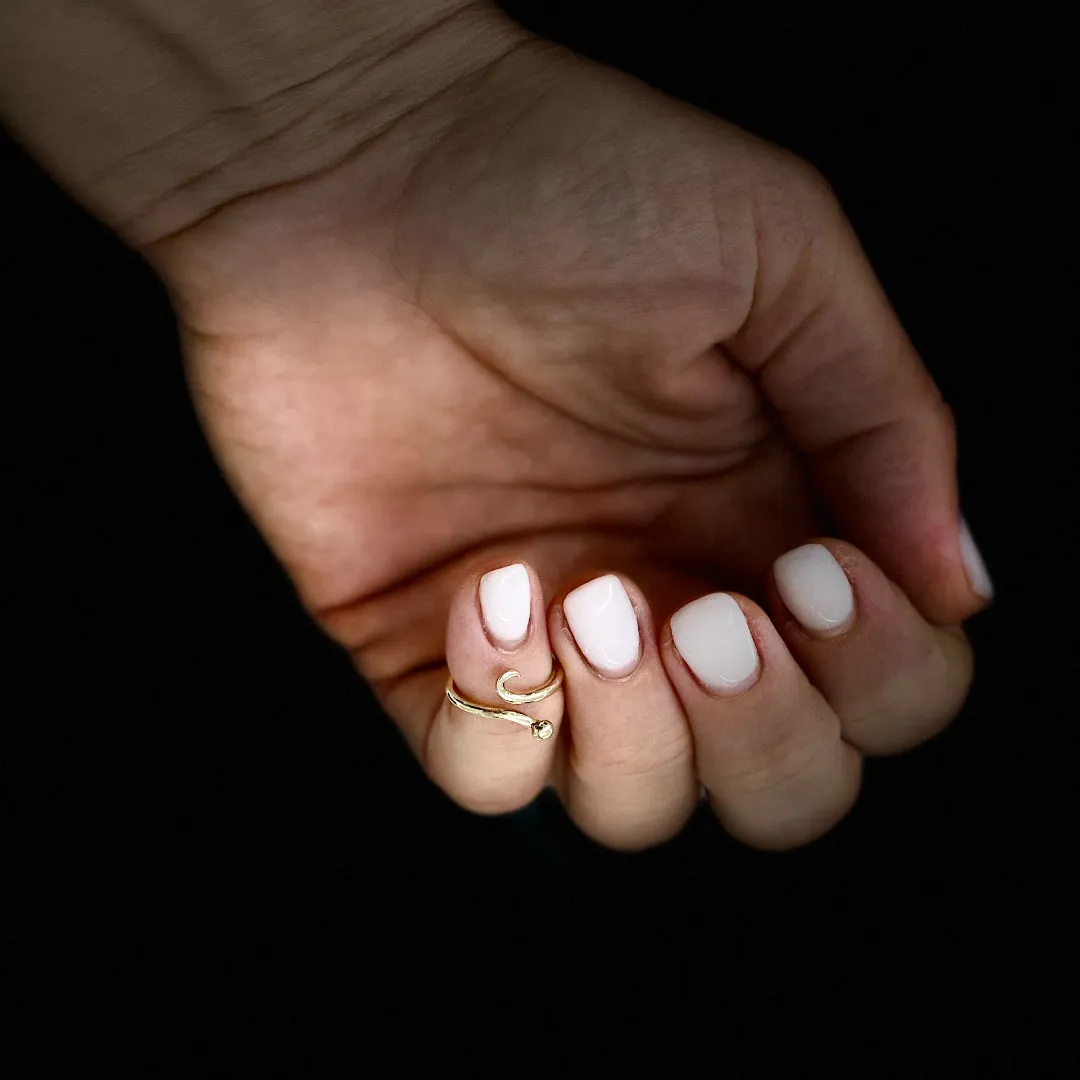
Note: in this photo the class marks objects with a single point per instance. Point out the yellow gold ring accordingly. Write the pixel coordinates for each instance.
(541, 729)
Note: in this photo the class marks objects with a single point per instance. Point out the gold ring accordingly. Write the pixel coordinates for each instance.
(541, 729)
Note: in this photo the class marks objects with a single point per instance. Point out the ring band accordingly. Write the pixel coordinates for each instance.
(541, 729)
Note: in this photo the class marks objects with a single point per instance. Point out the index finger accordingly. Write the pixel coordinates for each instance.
(849, 388)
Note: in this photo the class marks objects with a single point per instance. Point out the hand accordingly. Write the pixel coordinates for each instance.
(551, 318)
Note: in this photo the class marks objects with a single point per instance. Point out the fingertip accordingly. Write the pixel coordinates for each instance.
(936, 565)
(974, 565)
(711, 638)
(811, 584)
(603, 621)
(955, 583)
(498, 611)
(505, 596)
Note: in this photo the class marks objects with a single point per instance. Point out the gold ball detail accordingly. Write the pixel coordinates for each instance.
(543, 729)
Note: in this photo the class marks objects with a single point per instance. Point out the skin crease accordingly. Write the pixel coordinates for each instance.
(543, 314)
(506, 340)
(436, 394)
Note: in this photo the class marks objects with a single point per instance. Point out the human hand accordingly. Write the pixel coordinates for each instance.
(549, 316)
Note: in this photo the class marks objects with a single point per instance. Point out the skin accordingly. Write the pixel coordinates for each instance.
(461, 299)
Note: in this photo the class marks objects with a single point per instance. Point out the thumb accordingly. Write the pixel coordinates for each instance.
(853, 396)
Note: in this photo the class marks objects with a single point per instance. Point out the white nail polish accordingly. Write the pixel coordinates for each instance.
(713, 637)
(505, 604)
(815, 588)
(978, 575)
(604, 625)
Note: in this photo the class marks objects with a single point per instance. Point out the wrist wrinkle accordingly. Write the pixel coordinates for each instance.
(306, 130)
(154, 113)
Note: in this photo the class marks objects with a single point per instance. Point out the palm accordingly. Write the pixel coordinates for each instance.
(455, 301)
(516, 348)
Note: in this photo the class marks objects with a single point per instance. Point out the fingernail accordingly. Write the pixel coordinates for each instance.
(815, 589)
(978, 575)
(604, 625)
(713, 637)
(505, 604)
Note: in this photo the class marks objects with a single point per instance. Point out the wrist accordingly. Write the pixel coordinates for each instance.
(155, 115)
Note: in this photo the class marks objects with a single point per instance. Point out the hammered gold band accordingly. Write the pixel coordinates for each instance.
(541, 729)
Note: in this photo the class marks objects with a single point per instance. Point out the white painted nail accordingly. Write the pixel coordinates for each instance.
(713, 637)
(505, 604)
(602, 620)
(815, 589)
(977, 573)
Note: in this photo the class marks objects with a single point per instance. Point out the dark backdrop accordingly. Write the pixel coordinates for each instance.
(203, 795)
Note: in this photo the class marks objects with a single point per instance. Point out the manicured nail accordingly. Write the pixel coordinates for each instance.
(978, 575)
(815, 589)
(713, 637)
(602, 620)
(505, 604)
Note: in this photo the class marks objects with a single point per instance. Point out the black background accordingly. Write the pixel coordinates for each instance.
(205, 802)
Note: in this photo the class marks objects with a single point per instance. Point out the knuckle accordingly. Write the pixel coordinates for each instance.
(945, 415)
(811, 180)
(779, 767)
(631, 816)
(793, 807)
(914, 704)
(781, 754)
(954, 681)
(490, 800)
(633, 759)
(489, 775)
(631, 835)
(810, 192)
(941, 419)
(795, 204)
